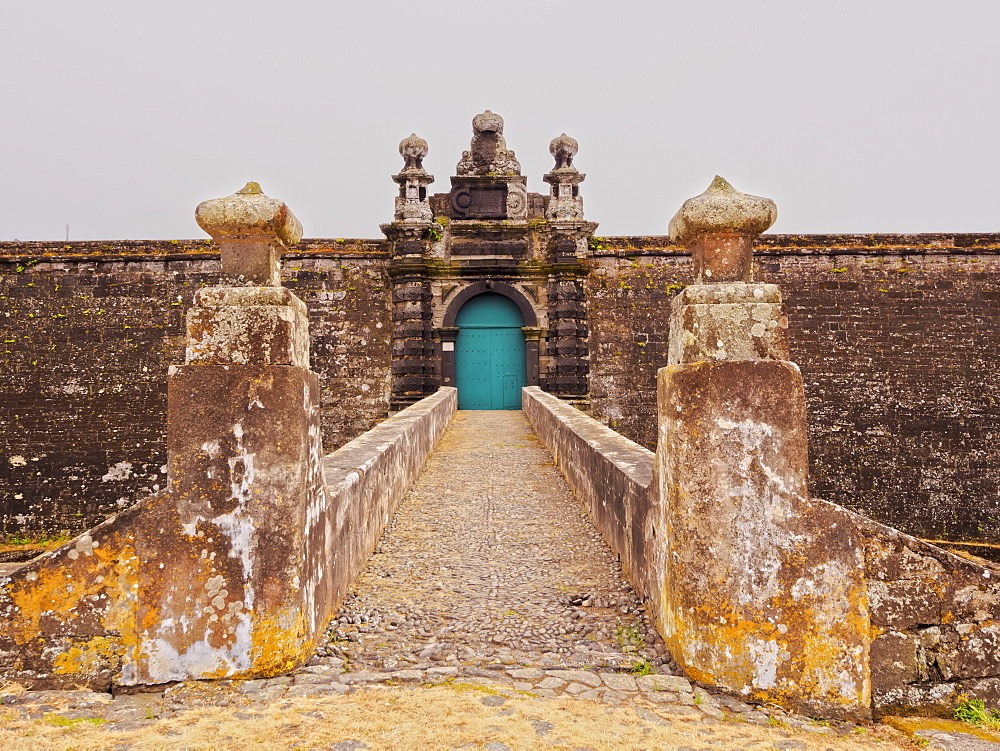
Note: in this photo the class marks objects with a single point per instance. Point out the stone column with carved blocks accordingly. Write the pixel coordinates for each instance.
(568, 361)
(415, 364)
(566, 374)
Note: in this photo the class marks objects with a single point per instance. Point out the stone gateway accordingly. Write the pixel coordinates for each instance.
(235, 422)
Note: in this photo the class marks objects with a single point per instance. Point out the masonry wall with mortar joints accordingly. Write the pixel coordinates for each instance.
(893, 335)
(88, 331)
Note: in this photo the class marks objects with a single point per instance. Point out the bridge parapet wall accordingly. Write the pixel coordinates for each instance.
(934, 616)
(365, 483)
(610, 475)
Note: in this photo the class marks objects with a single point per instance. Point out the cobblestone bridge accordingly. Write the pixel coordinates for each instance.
(492, 560)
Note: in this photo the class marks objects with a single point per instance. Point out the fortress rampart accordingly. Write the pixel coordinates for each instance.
(892, 332)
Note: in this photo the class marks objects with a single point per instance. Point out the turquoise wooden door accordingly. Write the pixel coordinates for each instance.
(489, 354)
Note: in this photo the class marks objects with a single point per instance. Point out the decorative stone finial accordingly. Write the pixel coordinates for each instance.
(565, 179)
(411, 203)
(563, 148)
(719, 226)
(487, 122)
(252, 230)
(722, 208)
(488, 154)
(413, 149)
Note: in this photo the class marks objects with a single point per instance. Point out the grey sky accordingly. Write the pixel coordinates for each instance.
(855, 116)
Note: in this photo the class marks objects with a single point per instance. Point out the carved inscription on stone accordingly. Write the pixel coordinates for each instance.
(515, 248)
(480, 202)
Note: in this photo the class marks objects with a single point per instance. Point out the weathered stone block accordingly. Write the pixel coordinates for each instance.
(891, 556)
(737, 331)
(930, 699)
(762, 591)
(987, 689)
(906, 603)
(894, 660)
(974, 601)
(252, 325)
(977, 651)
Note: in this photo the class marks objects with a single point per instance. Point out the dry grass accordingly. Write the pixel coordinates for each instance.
(14, 689)
(413, 718)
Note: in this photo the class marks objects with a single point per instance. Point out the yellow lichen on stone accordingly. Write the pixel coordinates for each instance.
(89, 657)
(280, 646)
(100, 580)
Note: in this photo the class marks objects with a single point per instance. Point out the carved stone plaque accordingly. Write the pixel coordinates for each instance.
(479, 202)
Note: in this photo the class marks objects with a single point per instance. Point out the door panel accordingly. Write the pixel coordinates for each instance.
(472, 368)
(489, 354)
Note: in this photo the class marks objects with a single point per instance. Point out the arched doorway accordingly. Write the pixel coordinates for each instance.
(490, 354)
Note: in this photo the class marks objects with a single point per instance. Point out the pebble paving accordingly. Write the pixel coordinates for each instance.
(492, 561)
(493, 576)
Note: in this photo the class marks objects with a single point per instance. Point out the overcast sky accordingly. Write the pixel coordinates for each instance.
(120, 116)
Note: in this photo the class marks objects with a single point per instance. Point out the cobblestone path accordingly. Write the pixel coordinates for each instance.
(492, 560)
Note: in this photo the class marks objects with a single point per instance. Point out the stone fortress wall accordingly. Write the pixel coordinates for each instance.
(89, 330)
(892, 333)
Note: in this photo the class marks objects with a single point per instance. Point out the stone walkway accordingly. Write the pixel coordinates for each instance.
(491, 561)
(492, 611)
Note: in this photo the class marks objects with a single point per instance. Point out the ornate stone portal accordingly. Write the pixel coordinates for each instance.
(488, 235)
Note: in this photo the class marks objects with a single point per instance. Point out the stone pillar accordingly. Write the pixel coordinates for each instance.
(416, 363)
(762, 591)
(567, 344)
(568, 362)
(226, 596)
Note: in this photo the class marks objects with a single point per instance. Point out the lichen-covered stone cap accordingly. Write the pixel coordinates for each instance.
(487, 122)
(563, 148)
(249, 213)
(413, 149)
(722, 208)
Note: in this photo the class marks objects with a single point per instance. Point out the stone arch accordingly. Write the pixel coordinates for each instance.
(449, 331)
(498, 288)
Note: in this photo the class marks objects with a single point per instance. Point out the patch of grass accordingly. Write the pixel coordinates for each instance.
(629, 637)
(34, 538)
(974, 712)
(65, 722)
(643, 666)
